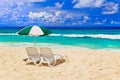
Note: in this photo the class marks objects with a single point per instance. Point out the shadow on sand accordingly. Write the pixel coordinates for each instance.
(58, 62)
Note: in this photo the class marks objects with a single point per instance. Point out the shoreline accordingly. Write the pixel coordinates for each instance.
(27, 44)
(56, 46)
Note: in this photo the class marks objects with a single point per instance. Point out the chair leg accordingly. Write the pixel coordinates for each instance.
(55, 59)
(54, 62)
(28, 61)
(34, 62)
(41, 61)
(48, 62)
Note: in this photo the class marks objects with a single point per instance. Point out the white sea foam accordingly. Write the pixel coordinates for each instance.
(26, 44)
(95, 36)
(7, 34)
(55, 34)
(108, 36)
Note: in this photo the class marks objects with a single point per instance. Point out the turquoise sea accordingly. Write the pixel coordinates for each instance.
(85, 38)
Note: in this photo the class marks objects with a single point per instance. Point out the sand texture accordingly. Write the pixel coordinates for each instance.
(82, 64)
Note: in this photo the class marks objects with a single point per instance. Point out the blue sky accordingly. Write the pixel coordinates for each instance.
(60, 12)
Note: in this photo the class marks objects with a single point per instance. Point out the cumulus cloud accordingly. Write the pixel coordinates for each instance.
(35, 0)
(45, 16)
(99, 22)
(115, 22)
(58, 17)
(24, 12)
(106, 6)
(87, 3)
(21, 13)
(9, 3)
(85, 18)
(58, 5)
(110, 8)
(13, 11)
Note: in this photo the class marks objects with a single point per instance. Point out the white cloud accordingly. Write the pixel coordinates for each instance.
(13, 11)
(110, 8)
(49, 16)
(35, 0)
(58, 17)
(58, 5)
(12, 3)
(104, 20)
(85, 18)
(82, 20)
(42, 14)
(98, 23)
(57, 13)
(107, 7)
(87, 3)
(115, 22)
(7, 3)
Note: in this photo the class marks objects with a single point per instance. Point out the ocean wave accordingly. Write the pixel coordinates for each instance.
(108, 36)
(7, 34)
(55, 34)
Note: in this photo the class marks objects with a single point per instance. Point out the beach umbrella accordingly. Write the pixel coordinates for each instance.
(34, 31)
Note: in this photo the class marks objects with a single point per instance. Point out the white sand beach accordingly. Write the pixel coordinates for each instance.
(83, 64)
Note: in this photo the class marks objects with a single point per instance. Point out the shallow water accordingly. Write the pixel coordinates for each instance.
(92, 38)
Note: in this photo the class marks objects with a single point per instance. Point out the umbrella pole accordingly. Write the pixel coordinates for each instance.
(34, 41)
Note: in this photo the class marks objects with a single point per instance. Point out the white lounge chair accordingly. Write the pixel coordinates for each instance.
(47, 55)
(33, 55)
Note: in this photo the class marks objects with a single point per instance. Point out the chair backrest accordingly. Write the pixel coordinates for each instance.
(46, 52)
(32, 51)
